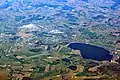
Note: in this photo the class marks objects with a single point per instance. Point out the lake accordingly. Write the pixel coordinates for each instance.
(91, 52)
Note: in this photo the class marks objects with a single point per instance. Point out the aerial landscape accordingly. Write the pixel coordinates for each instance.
(59, 39)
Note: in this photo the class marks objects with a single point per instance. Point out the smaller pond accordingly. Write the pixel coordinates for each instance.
(35, 50)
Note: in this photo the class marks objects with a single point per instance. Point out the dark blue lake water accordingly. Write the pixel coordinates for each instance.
(91, 52)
